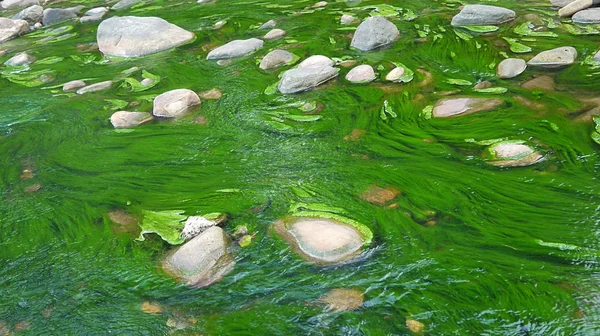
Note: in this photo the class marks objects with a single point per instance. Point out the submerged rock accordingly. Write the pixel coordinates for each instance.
(375, 32)
(378, 195)
(321, 241)
(268, 25)
(449, 107)
(513, 154)
(175, 103)
(510, 68)
(124, 4)
(415, 326)
(57, 15)
(545, 83)
(94, 14)
(124, 119)
(33, 14)
(211, 94)
(235, 48)
(347, 19)
(95, 87)
(303, 79)
(591, 15)
(341, 299)
(274, 34)
(73, 85)
(131, 36)
(482, 15)
(6, 4)
(316, 61)
(203, 260)
(554, 58)
(9, 29)
(276, 58)
(361, 74)
(20, 59)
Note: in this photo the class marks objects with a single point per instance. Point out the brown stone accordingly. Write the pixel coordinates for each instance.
(341, 299)
(151, 308)
(356, 134)
(414, 326)
(33, 188)
(545, 83)
(211, 94)
(378, 195)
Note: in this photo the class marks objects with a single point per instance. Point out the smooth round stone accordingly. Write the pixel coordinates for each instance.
(20, 59)
(125, 4)
(576, 6)
(268, 25)
(90, 18)
(483, 85)
(175, 103)
(554, 58)
(482, 15)
(511, 67)
(274, 34)
(361, 74)
(347, 19)
(320, 4)
(316, 61)
(276, 58)
(124, 119)
(95, 87)
(395, 74)
(203, 260)
(147, 81)
(304, 79)
(321, 241)
(73, 85)
(514, 154)
(375, 32)
(591, 15)
(449, 107)
(235, 48)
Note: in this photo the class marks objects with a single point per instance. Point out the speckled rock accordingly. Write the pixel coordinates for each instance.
(304, 79)
(510, 68)
(316, 61)
(124, 119)
(276, 58)
(9, 29)
(274, 34)
(175, 103)
(482, 15)
(363, 73)
(33, 14)
(235, 48)
(449, 107)
(375, 32)
(554, 58)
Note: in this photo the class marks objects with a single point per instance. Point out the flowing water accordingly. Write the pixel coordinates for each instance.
(467, 248)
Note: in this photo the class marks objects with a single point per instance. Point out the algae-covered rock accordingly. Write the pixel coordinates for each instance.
(235, 48)
(513, 154)
(203, 260)
(449, 107)
(175, 103)
(303, 79)
(131, 36)
(375, 32)
(482, 15)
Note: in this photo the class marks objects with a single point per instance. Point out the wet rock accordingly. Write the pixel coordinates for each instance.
(147, 81)
(274, 34)
(375, 32)
(33, 14)
(415, 326)
(175, 103)
(57, 15)
(597, 56)
(347, 19)
(316, 61)
(303, 79)
(554, 58)
(151, 308)
(97, 11)
(513, 154)
(9, 29)
(33, 188)
(203, 260)
(73, 85)
(395, 74)
(95, 87)
(124, 119)
(341, 299)
(125, 4)
(319, 4)
(268, 25)
(591, 15)
(378, 195)
(195, 225)
(321, 241)
(20, 59)
(131, 36)
(483, 85)
(576, 6)
(482, 15)
(511, 68)
(545, 83)
(276, 58)
(560, 3)
(235, 48)
(6, 4)
(449, 107)
(361, 74)
(211, 94)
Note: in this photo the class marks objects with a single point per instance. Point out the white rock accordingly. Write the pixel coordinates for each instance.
(274, 34)
(276, 58)
(554, 58)
(347, 19)
(9, 29)
(6, 4)
(175, 103)
(510, 68)
(316, 61)
(375, 32)
(361, 74)
(124, 119)
(395, 74)
(268, 25)
(195, 225)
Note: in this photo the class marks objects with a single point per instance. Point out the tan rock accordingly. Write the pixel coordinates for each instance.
(449, 107)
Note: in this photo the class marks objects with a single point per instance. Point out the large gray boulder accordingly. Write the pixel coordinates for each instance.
(375, 32)
(6, 4)
(511, 67)
(32, 14)
(57, 15)
(9, 29)
(175, 103)
(276, 58)
(304, 79)
(450, 107)
(125, 119)
(203, 260)
(132, 36)
(482, 15)
(591, 15)
(235, 48)
(554, 58)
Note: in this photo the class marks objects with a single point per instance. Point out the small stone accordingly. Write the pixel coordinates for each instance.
(341, 299)
(276, 58)
(97, 11)
(347, 19)
(268, 25)
(319, 4)
(212, 94)
(348, 63)
(449, 107)
(219, 24)
(414, 326)
(395, 74)
(235, 48)
(304, 79)
(545, 83)
(482, 15)
(274, 34)
(151, 308)
(554, 58)
(57, 15)
(316, 61)
(375, 32)
(483, 85)
(361, 74)
(576, 6)
(20, 59)
(95, 87)
(122, 217)
(124, 119)
(591, 15)
(355, 135)
(33, 188)
(511, 68)
(240, 231)
(378, 195)
(73, 85)
(147, 81)
(175, 103)
(224, 62)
